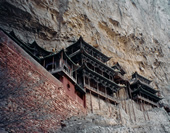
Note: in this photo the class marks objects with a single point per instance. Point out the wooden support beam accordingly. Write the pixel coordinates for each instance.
(119, 108)
(53, 63)
(125, 100)
(91, 102)
(132, 102)
(127, 96)
(146, 112)
(99, 102)
(142, 109)
(44, 63)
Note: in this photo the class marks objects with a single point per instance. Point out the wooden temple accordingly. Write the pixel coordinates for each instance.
(94, 75)
(82, 69)
(142, 91)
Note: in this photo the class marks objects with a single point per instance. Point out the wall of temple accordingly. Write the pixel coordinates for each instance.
(70, 90)
(31, 99)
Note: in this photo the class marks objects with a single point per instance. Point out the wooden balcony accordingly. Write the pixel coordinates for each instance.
(102, 94)
(146, 100)
(61, 70)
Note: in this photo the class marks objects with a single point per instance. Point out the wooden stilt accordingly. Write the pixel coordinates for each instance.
(142, 109)
(119, 109)
(125, 101)
(53, 63)
(132, 103)
(148, 115)
(99, 102)
(146, 112)
(91, 102)
(127, 96)
(44, 63)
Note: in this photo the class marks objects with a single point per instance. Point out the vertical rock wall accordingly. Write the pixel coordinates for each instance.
(134, 33)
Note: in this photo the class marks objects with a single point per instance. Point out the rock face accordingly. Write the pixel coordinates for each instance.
(134, 33)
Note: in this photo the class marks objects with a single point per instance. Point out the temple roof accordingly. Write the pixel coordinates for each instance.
(144, 85)
(84, 68)
(138, 76)
(149, 94)
(96, 60)
(34, 47)
(80, 44)
(59, 53)
(39, 49)
(29, 48)
(118, 67)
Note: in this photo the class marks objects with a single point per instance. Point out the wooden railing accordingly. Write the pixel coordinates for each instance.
(146, 100)
(102, 94)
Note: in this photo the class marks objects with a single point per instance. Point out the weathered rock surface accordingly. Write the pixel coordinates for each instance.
(133, 32)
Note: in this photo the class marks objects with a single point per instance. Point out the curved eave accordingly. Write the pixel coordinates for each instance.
(84, 66)
(98, 61)
(138, 75)
(106, 57)
(45, 51)
(64, 54)
(80, 40)
(21, 44)
(140, 89)
(144, 85)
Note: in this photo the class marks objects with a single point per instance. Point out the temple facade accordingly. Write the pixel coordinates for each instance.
(142, 91)
(82, 70)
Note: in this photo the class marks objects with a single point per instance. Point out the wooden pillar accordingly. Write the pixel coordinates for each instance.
(141, 108)
(53, 63)
(61, 60)
(84, 81)
(127, 96)
(147, 112)
(97, 86)
(132, 102)
(89, 82)
(44, 63)
(99, 102)
(105, 90)
(119, 108)
(76, 76)
(84, 99)
(91, 102)
(125, 100)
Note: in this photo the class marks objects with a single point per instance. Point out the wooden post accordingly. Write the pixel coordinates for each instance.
(119, 108)
(109, 106)
(125, 100)
(53, 63)
(91, 102)
(76, 76)
(99, 102)
(44, 63)
(148, 113)
(61, 60)
(128, 98)
(145, 110)
(132, 102)
(89, 82)
(141, 106)
(84, 80)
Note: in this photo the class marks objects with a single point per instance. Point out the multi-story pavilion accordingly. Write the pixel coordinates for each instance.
(142, 91)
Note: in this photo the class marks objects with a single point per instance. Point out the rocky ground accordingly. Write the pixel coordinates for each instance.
(98, 124)
(134, 33)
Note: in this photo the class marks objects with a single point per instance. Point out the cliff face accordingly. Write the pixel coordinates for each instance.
(134, 33)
